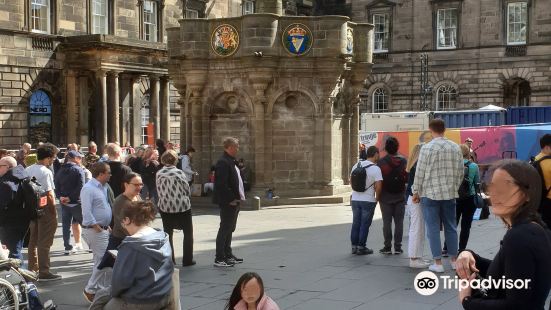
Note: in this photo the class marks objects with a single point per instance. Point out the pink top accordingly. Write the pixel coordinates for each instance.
(266, 303)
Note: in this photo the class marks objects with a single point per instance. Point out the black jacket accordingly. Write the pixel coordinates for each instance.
(226, 181)
(69, 181)
(12, 203)
(118, 172)
(524, 254)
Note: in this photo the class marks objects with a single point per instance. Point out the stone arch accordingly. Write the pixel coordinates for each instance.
(220, 96)
(439, 86)
(367, 97)
(293, 140)
(300, 90)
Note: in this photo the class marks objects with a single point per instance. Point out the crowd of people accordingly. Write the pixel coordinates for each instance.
(437, 187)
(109, 201)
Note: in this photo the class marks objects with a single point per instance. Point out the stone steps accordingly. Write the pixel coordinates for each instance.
(252, 203)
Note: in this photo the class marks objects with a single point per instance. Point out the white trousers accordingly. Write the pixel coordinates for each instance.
(100, 279)
(416, 240)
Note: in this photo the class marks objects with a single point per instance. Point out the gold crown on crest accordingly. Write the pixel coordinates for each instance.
(297, 31)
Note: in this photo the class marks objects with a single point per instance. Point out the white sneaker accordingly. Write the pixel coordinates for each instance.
(78, 247)
(454, 265)
(417, 263)
(436, 268)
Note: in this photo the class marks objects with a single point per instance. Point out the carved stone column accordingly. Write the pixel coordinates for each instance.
(101, 89)
(165, 108)
(154, 114)
(114, 131)
(125, 101)
(83, 114)
(136, 131)
(70, 88)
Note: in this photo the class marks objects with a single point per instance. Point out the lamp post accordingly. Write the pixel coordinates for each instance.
(426, 88)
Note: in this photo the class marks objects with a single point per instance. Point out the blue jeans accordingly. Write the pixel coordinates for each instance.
(435, 211)
(362, 215)
(69, 215)
(12, 237)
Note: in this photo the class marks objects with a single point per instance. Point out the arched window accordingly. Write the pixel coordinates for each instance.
(446, 96)
(40, 117)
(380, 100)
(144, 112)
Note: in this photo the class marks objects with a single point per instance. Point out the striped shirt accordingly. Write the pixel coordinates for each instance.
(439, 170)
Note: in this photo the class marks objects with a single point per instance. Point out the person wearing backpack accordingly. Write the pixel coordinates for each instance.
(366, 182)
(392, 202)
(43, 228)
(465, 204)
(14, 221)
(542, 163)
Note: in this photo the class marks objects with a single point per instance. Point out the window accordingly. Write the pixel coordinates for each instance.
(446, 29)
(517, 17)
(40, 16)
(446, 97)
(248, 7)
(150, 20)
(192, 13)
(381, 31)
(144, 112)
(99, 17)
(40, 117)
(380, 101)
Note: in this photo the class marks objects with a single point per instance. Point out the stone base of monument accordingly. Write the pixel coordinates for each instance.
(257, 202)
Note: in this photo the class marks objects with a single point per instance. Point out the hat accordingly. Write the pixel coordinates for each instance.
(469, 140)
(74, 154)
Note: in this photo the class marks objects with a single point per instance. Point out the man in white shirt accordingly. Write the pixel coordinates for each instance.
(364, 203)
(43, 228)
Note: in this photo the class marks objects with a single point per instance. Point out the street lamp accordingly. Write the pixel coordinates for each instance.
(426, 88)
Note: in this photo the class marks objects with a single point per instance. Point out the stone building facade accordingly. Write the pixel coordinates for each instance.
(81, 70)
(286, 87)
(479, 52)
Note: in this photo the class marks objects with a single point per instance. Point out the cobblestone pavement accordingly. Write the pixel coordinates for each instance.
(303, 256)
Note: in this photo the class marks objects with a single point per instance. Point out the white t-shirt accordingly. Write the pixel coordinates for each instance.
(373, 175)
(43, 175)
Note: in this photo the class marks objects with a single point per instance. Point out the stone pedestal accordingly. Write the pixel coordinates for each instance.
(286, 87)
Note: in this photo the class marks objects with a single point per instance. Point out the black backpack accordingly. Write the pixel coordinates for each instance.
(35, 201)
(465, 187)
(358, 178)
(537, 164)
(27, 195)
(395, 181)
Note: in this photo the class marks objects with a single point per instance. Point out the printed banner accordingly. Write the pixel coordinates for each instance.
(489, 143)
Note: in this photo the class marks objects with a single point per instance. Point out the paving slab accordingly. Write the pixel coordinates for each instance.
(303, 256)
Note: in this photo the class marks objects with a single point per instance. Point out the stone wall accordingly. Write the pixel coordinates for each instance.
(479, 67)
(282, 107)
(30, 61)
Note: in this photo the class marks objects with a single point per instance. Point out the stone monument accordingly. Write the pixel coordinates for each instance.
(286, 86)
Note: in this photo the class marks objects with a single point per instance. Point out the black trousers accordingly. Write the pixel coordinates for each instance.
(545, 211)
(464, 212)
(228, 222)
(183, 221)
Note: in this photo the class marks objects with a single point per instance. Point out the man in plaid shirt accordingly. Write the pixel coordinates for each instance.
(437, 179)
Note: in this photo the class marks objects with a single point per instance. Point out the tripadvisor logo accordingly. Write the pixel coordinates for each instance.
(426, 283)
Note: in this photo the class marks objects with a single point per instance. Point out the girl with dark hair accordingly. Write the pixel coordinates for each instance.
(248, 294)
(515, 189)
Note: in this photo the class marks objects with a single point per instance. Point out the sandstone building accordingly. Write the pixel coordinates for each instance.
(80, 70)
(479, 52)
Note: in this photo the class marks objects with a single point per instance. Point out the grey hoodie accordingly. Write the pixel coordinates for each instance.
(143, 269)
